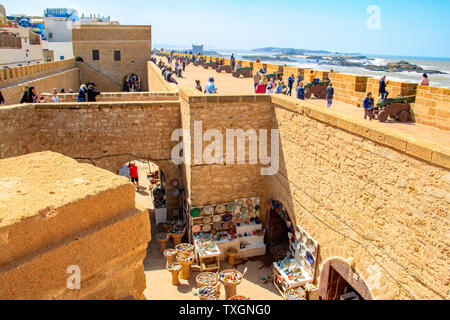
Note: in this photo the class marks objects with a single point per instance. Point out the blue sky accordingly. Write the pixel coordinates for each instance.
(408, 27)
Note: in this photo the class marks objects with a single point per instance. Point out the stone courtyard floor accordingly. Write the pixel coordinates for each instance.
(227, 84)
(158, 279)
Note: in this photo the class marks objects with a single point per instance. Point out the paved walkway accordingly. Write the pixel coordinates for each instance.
(158, 279)
(227, 84)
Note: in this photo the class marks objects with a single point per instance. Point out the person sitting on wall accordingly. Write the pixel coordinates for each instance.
(368, 106)
(170, 79)
(425, 80)
(91, 93)
(210, 87)
(198, 85)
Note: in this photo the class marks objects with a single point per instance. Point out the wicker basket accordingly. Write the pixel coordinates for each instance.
(238, 298)
(202, 284)
(230, 288)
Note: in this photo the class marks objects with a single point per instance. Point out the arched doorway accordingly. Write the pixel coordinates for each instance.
(339, 281)
(278, 228)
(132, 83)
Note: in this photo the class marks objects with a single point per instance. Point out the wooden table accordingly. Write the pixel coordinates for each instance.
(206, 254)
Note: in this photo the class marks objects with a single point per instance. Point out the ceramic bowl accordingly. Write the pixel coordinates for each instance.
(221, 209)
(207, 220)
(209, 210)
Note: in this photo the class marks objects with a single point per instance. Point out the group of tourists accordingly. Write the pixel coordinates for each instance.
(167, 71)
(132, 83)
(87, 93)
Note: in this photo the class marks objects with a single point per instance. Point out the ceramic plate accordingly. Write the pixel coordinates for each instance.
(240, 203)
(209, 210)
(231, 207)
(220, 209)
(217, 219)
(217, 226)
(207, 220)
(206, 228)
(196, 229)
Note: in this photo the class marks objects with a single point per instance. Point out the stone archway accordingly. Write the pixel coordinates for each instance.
(343, 268)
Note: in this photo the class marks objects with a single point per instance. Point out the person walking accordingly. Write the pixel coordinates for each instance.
(82, 93)
(260, 88)
(291, 81)
(233, 61)
(257, 78)
(300, 91)
(24, 98)
(425, 80)
(184, 65)
(134, 175)
(368, 106)
(382, 88)
(210, 87)
(32, 97)
(91, 93)
(330, 95)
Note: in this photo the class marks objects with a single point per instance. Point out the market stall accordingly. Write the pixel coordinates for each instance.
(293, 275)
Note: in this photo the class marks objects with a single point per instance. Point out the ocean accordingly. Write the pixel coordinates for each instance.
(436, 80)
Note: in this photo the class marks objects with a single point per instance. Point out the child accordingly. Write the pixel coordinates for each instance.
(368, 105)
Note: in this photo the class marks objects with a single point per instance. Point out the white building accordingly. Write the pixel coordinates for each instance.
(19, 46)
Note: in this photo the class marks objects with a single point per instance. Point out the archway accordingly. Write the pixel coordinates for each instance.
(278, 228)
(79, 59)
(132, 83)
(339, 281)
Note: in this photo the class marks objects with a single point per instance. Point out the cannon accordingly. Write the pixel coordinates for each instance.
(227, 69)
(246, 72)
(397, 108)
(201, 62)
(213, 65)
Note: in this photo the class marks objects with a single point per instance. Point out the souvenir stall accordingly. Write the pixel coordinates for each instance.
(234, 226)
(158, 189)
(294, 274)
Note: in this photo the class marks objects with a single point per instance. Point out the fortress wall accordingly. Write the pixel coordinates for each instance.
(68, 79)
(15, 75)
(364, 200)
(156, 82)
(432, 107)
(87, 219)
(102, 83)
(349, 88)
(395, 88)
(118, 96)
(19, 131)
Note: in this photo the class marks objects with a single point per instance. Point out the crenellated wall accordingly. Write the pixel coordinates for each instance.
(432, 107)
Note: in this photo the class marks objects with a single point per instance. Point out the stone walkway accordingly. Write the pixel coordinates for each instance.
(227, 84)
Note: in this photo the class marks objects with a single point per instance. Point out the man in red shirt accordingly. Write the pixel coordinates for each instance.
(134, 174)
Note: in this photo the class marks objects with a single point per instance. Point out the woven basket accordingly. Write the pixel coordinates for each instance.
(201, 284)
(237, 298)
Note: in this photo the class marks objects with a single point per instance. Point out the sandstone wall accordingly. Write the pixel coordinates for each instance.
(77, 215)
(349, 88)
(19, 131)
(432, 107)
(156, 82)
(14, 75)
(364, 200)
(118, 96)
(65, 79)
(395, 88)
(133, 42)
(112, 134)
(102, 83)
(219, 183)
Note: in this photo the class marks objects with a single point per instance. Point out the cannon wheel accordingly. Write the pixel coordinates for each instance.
(308, 94)
(382, 116)
(404, 116)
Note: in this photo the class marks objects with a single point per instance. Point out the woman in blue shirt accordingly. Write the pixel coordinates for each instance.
(368, 105)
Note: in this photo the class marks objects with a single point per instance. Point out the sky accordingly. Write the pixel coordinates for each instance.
(394, 27)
